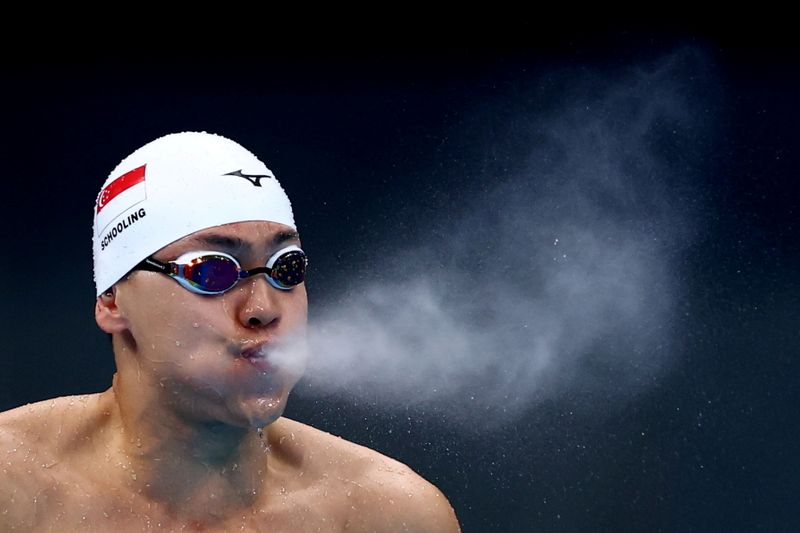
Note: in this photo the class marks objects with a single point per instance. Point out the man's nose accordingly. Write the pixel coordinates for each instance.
(259, 306)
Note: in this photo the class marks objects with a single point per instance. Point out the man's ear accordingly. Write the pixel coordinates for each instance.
(107, 314)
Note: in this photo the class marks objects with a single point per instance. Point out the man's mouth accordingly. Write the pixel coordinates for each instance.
(258, 356)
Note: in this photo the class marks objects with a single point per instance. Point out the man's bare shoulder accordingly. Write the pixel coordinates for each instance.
(383, 493)
(49, 421)
(36, 437)
(335, 455)
(30, 438)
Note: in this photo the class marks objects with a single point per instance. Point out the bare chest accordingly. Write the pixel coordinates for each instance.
(67, 505)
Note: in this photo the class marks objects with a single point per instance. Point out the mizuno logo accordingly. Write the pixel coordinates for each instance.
(255, 179)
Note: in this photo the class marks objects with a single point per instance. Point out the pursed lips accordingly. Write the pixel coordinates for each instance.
(258, 355)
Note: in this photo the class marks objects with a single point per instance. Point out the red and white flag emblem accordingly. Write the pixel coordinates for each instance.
(119, 196)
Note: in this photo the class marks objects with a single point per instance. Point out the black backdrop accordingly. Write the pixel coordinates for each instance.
(352, 136)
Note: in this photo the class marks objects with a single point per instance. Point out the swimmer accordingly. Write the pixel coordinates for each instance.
(199, 272)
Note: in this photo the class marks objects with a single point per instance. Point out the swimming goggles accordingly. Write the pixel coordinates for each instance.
(217, 272)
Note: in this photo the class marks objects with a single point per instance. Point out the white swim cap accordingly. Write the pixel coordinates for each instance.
(174, 186)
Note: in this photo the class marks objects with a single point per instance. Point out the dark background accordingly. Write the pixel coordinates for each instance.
(353, 135)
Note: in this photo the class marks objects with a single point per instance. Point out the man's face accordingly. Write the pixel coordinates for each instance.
(232, 357)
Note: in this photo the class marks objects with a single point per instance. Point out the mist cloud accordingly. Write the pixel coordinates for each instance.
(562, 276)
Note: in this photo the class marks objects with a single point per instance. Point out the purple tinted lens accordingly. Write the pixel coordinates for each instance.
(212, 273)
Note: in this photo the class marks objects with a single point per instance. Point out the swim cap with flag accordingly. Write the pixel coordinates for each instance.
(174, 186)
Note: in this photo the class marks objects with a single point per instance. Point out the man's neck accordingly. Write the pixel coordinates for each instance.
(191, 468)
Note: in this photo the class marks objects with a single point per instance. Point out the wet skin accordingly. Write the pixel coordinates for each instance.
(172, 445)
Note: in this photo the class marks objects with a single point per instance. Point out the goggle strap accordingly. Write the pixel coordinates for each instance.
(153, 265)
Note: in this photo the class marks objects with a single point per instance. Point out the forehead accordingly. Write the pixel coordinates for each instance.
(238, 237)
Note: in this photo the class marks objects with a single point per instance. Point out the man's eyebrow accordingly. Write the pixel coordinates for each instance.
(220, 241)
(286, 235)
(227, 242)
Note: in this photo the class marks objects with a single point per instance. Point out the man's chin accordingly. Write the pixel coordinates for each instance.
(259, 411)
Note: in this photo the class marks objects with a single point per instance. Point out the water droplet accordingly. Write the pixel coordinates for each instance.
(195, 325)
(177, 343)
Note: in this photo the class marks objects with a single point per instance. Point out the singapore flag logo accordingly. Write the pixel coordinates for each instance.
(119, 196)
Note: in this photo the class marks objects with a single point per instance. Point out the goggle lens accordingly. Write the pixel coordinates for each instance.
(212, 273)
(289, 269)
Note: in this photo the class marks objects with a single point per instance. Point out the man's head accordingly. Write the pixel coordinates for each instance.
(206, 332)
(172, 187)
